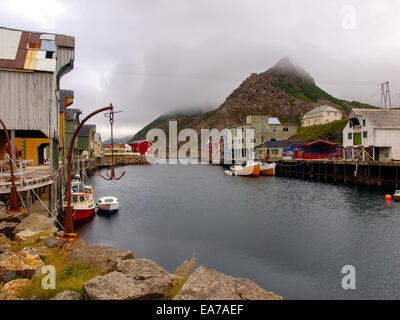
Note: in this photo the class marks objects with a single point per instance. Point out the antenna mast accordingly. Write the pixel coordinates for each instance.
(386, 102)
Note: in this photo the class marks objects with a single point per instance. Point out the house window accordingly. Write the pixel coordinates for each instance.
(364, 123)
(365, 134)
(285, 129)
(274, 151)
(272, 129)
(350, 136)
(49, 55)
(273, 139)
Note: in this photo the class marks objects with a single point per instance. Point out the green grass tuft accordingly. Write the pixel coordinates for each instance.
(329, 131)
(70, 276)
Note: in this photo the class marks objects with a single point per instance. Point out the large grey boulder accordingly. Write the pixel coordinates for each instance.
(140, 279)
(208, 284)
(68, 295)
(33, 226)
(13, 217)
(7, 228)
(103, 257)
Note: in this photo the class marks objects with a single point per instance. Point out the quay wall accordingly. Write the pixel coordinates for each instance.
(378, 174)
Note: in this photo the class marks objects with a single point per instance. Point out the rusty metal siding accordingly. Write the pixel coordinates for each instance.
(28, 101)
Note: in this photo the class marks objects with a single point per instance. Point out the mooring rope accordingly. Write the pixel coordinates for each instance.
(290, 166)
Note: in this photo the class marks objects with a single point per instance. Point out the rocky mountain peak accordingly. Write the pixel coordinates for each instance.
(286, 67)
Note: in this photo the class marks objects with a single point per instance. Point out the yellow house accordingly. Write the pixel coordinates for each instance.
(36, 149)
(321, 115)
(66, 100)
(97, 146)
(119, 149)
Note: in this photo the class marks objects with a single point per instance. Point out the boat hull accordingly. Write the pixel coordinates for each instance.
(268, 170)
(82, 214)
(109, 208)
(250, 171)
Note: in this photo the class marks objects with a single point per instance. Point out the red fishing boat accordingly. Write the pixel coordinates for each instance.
(83, 205)
(82, 200)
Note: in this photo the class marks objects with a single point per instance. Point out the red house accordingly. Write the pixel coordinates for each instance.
(141, 146)
(322, 149)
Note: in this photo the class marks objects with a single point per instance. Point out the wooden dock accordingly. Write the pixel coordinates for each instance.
(380, 174)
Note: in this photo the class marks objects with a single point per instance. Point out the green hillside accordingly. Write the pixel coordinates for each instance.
(305, 90)
(331, 131)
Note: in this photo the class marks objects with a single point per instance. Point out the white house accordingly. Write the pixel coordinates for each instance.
(321, 115)
(373, 134)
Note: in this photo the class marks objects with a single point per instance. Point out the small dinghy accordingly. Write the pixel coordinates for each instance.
(397, 195)
(108, 204)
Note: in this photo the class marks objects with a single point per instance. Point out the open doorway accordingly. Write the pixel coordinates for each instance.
(42, 155)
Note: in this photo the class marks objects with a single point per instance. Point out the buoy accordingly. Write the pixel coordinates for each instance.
(388, 197)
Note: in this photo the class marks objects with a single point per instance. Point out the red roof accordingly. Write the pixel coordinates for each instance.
(321, 142)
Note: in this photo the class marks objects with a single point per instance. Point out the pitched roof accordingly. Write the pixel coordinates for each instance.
(318, 111)
(85, 130)
(279, 143)
(71, 114)
(385, 119)
(25, 50)
(64, 94)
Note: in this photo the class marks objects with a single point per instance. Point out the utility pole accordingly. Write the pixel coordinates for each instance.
(386, 102)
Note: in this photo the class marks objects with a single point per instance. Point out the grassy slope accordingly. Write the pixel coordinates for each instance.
(331, 131)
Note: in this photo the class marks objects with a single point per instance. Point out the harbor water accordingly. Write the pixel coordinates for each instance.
(290, 236)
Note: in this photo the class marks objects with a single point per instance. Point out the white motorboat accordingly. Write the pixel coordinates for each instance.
(108, 204)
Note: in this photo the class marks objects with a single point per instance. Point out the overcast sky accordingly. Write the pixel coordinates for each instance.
(149, 57)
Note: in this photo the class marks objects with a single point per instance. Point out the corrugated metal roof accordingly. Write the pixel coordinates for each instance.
(48, 37)
(17, 46)
(36, 60)
(384, 119)
(9, 43)
(48, 45)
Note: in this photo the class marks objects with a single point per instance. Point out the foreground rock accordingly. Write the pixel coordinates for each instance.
(33, 226)
(13, 288)
(8, 228)
(208, 284)
(68, 295)
(13, 217)
(22, 265)
(103, 257)
(140, 279)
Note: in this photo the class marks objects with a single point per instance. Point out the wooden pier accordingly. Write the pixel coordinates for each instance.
(380, 174)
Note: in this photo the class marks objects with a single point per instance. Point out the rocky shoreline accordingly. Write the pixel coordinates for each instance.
(28, 243)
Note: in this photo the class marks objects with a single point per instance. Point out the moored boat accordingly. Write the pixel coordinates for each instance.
(108, 204)
(267, 169)
(397, 195)
(248, 169)
(83, 205)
